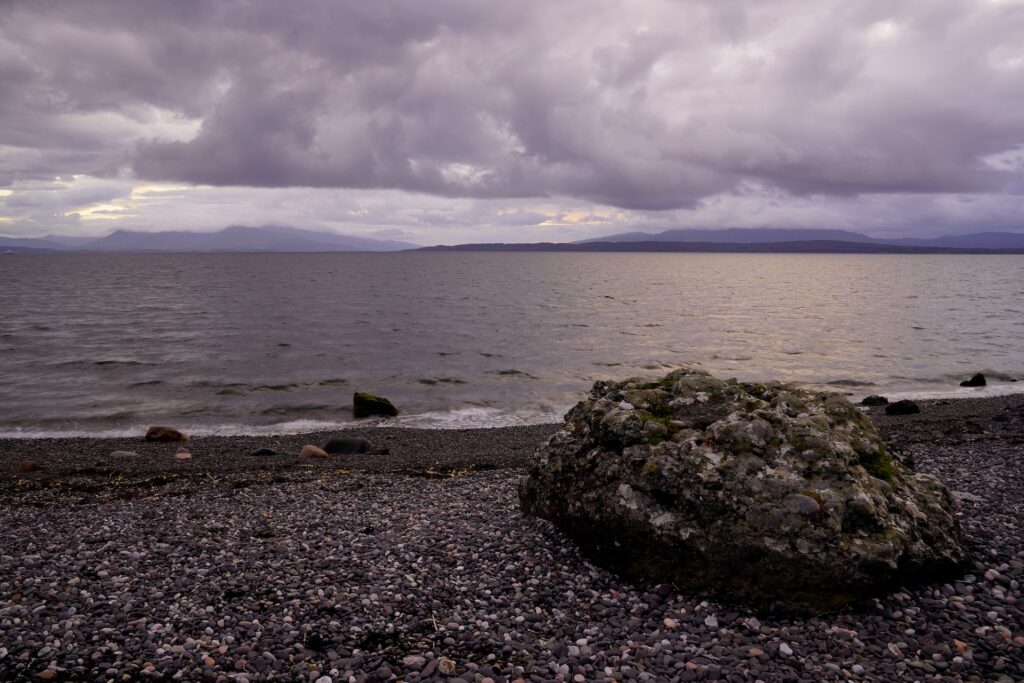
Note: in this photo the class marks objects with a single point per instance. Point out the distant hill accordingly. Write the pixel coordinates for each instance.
(235, 238)
(26, 244)
(978, 240)
(792, 247)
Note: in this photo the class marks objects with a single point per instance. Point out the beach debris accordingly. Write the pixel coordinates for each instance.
(368, 405)
(28, 467)
(182, 454)
(978, 380)
(263, 451)
(874, 400)
(446, 666)
(158, 433)
(352, 446)
(756, 493)
(904, 407)
(311, 452)
(124, 454)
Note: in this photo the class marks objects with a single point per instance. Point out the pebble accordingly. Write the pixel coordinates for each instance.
(309, 451)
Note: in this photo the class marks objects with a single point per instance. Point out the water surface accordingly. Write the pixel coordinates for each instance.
(278, 342)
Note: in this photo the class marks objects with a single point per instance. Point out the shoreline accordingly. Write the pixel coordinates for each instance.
(418, 565)
(76, 463)
(458, 418)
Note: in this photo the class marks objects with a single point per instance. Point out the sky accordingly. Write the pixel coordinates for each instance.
(472, 121)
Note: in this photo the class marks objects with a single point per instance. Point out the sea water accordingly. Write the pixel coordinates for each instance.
(265, 343)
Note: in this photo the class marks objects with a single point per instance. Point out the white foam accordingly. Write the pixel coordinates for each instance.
(989, 391)
(453, 419)
(477, 417)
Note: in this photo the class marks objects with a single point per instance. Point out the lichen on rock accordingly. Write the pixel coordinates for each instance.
(762, 494)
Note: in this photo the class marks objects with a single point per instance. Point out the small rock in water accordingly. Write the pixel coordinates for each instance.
(368, 405)
(164, 434)
(874, 400)
(904, 407)
(977, 381)
(182, 454)
(312, 452)
(263, 451)
(350, 446)
(124, 454)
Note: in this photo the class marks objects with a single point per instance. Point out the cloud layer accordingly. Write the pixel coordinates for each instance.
(640, 108)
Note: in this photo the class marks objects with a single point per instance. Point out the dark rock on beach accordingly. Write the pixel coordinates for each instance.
(904, 407)
(978, 380)
(368, 405)
(760, 494)
(262, 451)
(164, 434)
(874, 400)
(352, 446)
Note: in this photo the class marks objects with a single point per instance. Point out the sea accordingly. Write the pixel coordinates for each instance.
(108, 344)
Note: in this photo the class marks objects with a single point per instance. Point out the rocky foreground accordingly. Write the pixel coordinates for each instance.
(418, 565)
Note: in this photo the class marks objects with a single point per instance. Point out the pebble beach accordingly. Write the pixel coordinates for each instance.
(418, 565)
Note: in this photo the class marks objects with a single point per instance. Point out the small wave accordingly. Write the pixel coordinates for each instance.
(432, 381)
(989, 391)
(512, 372)
(464, 418)
(105, 363)
(281, 387)
(239, 388)
(658, 366)
(303, 408)
(849, 383)
(147, 383)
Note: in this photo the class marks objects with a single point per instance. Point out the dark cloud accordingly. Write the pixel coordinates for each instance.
(643, 106)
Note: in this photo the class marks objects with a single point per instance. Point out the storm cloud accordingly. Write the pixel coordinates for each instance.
(639, 106)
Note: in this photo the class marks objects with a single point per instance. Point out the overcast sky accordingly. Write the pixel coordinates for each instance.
(466, 120)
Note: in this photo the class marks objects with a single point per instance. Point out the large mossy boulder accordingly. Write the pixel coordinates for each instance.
(759, 494)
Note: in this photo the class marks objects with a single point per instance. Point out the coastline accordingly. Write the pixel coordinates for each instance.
(376, 567)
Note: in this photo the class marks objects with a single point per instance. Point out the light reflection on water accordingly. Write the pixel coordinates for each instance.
(226, 341)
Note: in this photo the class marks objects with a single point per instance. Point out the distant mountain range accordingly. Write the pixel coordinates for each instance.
(275, 238)
(977, 240)
(236, 238)
(769, 240)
